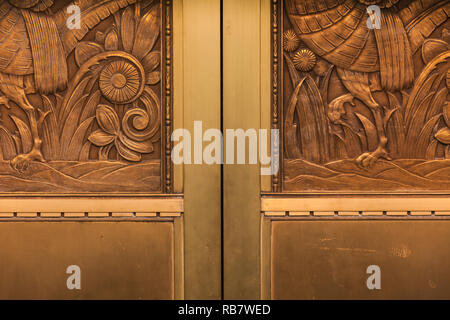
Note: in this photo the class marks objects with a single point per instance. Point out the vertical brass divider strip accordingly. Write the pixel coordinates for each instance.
(202, 184)
(241, 110)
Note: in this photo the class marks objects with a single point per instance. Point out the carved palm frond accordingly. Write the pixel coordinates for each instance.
(422, 18)
(92, 15)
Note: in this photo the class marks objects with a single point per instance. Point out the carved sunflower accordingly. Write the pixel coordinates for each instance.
(290, 41)
(119, 81)
(304, 60)
(123, 80)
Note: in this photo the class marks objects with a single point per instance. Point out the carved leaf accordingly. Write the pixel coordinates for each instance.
(101, 138)
(371, 131)
(71, 124)
(443, 135)
(151, 61)
(89, 108)
(291, 139)
(8, 149)
(112, 41)
(76, 143)
(108, 120)
(428, 80)
(431, 150)
(126, 153)
(432, 48)
(395, 128)
(147, 33)
(425, 137)
(85, 151)
(142, 147)
(352, 142)
(128, 28)
(313, 123)
(418, 121)
(438, 102)
(446, 112)
(86, 50)
(420, 91)
(71, 98)
(153, 78)
(50, 134)
(25, 134)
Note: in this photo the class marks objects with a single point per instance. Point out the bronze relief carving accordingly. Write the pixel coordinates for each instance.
(83, 108)
(362, 108)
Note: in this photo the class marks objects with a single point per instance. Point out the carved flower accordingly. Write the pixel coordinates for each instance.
(111, 134)
(304, 60)
(122, 81)
(290, 41)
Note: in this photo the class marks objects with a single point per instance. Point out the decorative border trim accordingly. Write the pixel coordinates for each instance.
(89, 216)
(356, 214)
(354, 207)
(75, 208)
(167, 121)
(277, 67)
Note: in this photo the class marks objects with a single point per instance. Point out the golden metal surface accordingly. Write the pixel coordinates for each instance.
(118, 260)
(201, 102)
(68, 204)
(366, 205)
(328, 260)
(242, 100)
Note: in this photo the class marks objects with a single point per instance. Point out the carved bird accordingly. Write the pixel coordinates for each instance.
(367, 59)
(34, 45)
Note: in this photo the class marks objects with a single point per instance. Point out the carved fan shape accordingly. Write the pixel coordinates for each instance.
(336, 30)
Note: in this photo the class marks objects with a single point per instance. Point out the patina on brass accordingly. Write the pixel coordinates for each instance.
(82, 108)
(329, 259)
(363, 107)
(118, 260)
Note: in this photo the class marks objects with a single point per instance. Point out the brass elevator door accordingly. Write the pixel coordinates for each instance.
(359, 92)
(352, 95)
(91, 203)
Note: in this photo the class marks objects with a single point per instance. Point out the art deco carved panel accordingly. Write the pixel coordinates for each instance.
(82, 106)
(362, 106)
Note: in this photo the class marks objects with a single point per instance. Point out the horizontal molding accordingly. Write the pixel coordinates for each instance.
(94, 206)
(95, 216)
(91, 207)
(354, 214)
(391, 206)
